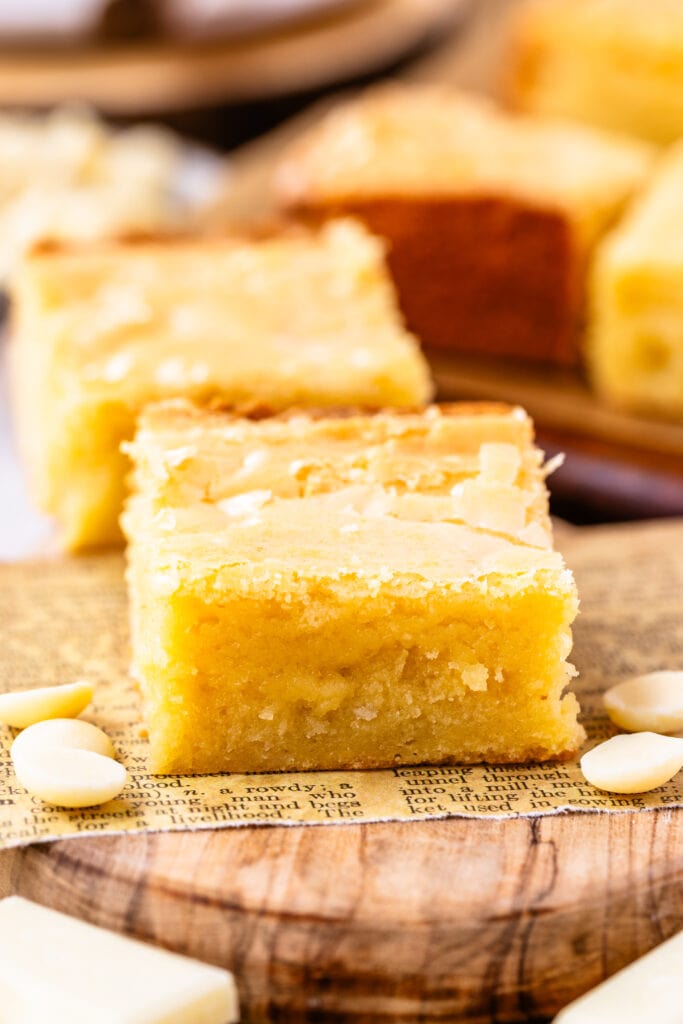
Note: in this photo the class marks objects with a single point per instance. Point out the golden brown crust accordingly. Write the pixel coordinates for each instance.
(483, 274)
(176, 409)
(284, 226)
(534, 754)
(47, 246)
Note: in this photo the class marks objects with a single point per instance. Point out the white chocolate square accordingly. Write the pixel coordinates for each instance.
(58, 969)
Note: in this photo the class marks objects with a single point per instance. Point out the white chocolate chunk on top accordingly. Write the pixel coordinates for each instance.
(651, 702)
(635, 763)
(651, 989)
(56, 968)
(492, 506)
(244, 504)
(499, 462)
(69, 777)
(24, 707)
(63, 732)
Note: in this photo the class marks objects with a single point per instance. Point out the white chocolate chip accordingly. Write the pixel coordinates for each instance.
(492, 506)
(116, 367)
(635, 763)
(553, 464)
(70, 733)
(651, 702)
(24, 707)
(297, 466)
(499, 463)
(176, 457)
(67, 762)
(244, 504)
(70, 778)
(475, 677)
(171, 372)
(253, 460)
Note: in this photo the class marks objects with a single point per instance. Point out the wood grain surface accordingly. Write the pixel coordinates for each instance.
(457, 920)
(463, 920)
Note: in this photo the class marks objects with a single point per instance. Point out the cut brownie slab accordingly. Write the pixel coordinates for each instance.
(295, 319)
(347, 591)
(490, 217)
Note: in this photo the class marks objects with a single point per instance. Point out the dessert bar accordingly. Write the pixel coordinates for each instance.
(635, 338)
(616, 64)
(490, 218)
(347, 591)
(294, 319)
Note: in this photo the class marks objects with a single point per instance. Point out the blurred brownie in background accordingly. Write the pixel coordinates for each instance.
(635, 340)
(490, 218)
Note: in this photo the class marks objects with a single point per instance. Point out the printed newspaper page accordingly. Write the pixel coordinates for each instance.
(64, 620)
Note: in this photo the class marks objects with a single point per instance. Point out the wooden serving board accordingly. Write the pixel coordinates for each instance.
(458, 920)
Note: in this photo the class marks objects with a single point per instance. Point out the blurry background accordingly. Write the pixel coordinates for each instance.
(235, 79)
(222, 71)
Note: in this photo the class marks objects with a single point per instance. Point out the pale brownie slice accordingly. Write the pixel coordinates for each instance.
(635, 341)
(616, 64)
(347, 591)
(300, 318)
(490, 217)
